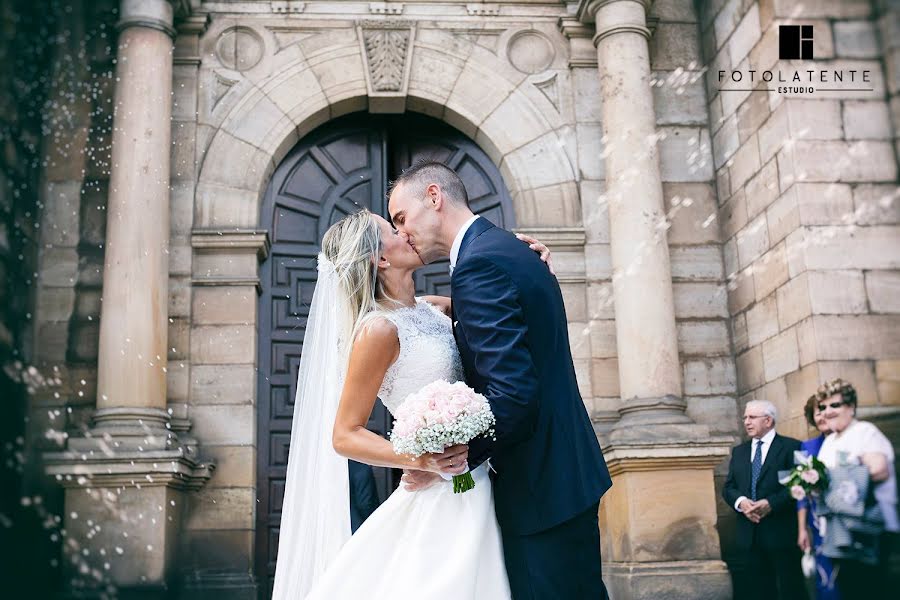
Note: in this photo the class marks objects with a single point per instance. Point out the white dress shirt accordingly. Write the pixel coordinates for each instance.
(766, 444)
(457, 242)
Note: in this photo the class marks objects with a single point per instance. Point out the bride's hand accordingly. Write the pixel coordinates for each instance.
(452, 461)
(539, 247)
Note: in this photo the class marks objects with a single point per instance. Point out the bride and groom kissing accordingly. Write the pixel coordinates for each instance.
(528, 529)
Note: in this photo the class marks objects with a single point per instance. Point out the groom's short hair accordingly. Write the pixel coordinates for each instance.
(422, 174)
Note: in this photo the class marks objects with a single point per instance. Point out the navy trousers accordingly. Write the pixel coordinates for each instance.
(562, 562)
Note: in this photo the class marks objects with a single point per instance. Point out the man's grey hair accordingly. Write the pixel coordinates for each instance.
(766, 407)
(424, 173)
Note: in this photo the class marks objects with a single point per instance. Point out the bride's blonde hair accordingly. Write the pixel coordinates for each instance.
(353, 245)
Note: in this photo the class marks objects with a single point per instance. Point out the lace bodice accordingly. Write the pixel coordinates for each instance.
(428, 352)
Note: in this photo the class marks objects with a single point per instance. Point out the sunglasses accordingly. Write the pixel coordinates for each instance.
(837, 404)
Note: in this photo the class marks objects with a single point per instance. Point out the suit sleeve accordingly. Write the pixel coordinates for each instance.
(730, 491)
(782, 499)
(487, 308)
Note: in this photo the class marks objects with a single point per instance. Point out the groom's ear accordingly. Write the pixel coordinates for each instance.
(433, 196)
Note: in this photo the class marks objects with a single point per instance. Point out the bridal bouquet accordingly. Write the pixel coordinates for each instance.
(808, 478)
(440, 415)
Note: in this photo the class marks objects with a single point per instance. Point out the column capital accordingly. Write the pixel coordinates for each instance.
(155, 14)
(587, 9)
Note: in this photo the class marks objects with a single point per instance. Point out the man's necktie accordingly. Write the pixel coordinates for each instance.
(755, 468)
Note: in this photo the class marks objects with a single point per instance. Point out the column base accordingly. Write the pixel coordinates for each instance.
(659, 519)
(126, 429)
(123, 507)
(675, 580)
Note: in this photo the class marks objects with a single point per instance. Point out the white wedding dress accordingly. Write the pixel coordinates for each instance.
(430, 544)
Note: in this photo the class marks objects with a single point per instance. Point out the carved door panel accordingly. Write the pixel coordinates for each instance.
(335, 170)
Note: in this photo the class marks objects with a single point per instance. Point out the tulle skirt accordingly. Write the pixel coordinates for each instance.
(430, 544)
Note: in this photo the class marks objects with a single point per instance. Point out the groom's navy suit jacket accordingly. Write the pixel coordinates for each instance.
(511, 329)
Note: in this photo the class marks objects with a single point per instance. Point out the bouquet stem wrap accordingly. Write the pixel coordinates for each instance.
(463, 483)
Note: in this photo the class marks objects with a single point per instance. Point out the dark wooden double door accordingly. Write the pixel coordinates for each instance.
(339, 168)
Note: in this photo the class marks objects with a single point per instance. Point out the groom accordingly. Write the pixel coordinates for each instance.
(511, 329)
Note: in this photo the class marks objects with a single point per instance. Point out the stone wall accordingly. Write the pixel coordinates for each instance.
(806, 190)
(807, 193)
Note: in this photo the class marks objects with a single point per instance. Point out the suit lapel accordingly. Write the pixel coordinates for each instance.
(772, 456)
(744, 462)
(479, 226)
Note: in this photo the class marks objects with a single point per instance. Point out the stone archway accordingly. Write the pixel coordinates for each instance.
(255, 122)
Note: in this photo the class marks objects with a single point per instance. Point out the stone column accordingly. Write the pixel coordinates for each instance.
(131, 376)
(659, 518)
(647, 343)
(125, 478)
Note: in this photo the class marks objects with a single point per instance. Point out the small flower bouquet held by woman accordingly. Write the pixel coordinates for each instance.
(438, 416)
(808, 478)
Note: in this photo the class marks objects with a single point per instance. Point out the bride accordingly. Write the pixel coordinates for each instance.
(368, 336)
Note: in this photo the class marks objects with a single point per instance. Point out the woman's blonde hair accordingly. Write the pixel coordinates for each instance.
(354, 245)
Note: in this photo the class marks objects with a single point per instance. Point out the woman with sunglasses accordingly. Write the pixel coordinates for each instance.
(860, 442)
(808, 535)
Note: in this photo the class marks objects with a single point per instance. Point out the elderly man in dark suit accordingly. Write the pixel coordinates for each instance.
(767, 525)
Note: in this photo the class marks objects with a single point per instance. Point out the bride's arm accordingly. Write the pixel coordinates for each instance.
(374, 351)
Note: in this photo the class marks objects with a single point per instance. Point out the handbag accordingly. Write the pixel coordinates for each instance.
(853, 521)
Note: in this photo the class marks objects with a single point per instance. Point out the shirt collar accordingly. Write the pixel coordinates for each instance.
(457, 241)
(767, 439)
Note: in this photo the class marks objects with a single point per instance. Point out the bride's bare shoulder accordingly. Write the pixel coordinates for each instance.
(377, 328)
(377, 334)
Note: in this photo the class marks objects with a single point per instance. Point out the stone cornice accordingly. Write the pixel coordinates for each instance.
(233, 239)
(573, 28)
(557, 238)
(170, 468)
(194, 24)
(675, 456)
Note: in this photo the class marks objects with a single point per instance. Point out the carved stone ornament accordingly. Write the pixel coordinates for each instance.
(530, 52)
(387, 47)
(239, 48)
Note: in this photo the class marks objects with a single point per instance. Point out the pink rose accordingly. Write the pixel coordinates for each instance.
(810, 476)
(797, 492)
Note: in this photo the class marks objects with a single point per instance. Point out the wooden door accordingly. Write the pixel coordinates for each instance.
(335, 170)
